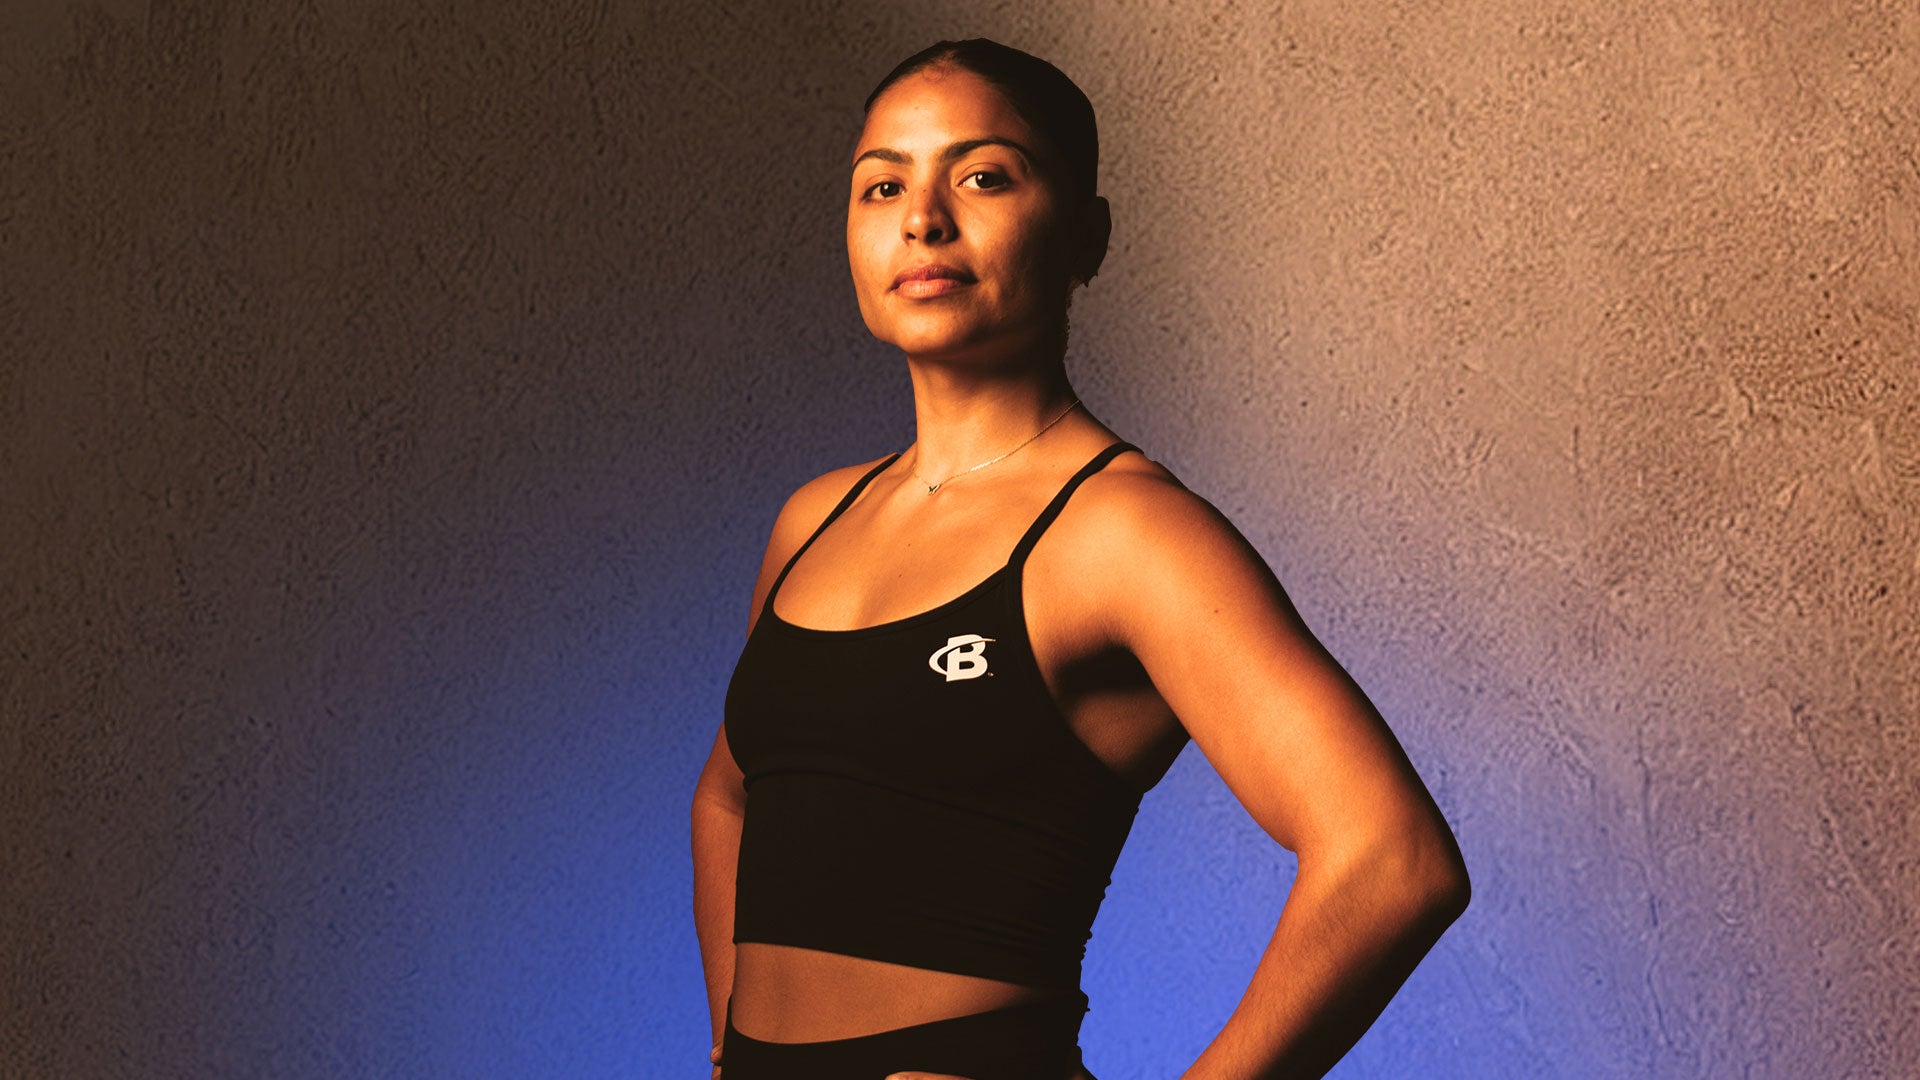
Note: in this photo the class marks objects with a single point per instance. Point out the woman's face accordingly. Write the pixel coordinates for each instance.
(944, 175)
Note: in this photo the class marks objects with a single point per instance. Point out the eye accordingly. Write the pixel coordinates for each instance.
(868, 194)
(997, 180)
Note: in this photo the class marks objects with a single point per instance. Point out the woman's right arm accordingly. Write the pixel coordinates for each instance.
(719, 808)
(720, 796)
(719, 811)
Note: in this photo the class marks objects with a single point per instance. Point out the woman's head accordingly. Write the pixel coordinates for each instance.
(1043, 96)
(979, 161)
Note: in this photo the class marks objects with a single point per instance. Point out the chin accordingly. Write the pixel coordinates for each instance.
(929, 336)
(934, 345)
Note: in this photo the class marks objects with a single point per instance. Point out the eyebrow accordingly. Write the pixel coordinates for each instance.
(953, 150)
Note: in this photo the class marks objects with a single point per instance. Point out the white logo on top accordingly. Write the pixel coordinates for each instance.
(962, 657)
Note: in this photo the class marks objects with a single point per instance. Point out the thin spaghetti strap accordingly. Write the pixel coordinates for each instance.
(845, 501)
(1025, 546)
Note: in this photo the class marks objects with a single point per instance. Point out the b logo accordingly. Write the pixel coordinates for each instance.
(962, 657)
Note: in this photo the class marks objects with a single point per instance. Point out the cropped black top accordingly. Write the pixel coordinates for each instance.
(913, 793)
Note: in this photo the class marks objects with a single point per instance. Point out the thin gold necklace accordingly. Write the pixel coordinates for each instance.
(931, 488)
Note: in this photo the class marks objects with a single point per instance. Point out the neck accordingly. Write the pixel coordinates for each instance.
(964, 418)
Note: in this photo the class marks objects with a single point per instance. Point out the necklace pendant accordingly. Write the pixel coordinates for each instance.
(931, 488)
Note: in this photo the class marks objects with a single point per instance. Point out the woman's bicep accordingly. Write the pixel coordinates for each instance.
(1288, 730)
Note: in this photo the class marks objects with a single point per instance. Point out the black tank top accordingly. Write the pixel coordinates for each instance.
(913, 793)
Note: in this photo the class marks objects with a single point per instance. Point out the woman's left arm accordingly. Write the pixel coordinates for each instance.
(1306, 753)
(1298, 743)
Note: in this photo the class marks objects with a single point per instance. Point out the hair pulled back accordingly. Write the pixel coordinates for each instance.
(1044, 97)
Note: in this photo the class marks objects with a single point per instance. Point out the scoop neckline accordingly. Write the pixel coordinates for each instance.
(1015, 559)
(901, 623)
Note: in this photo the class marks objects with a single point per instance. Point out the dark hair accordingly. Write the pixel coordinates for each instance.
(1043, 96)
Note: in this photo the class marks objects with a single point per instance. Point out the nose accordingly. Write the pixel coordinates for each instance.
(927, 218)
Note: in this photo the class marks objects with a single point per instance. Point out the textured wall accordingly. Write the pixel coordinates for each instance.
(394, 398)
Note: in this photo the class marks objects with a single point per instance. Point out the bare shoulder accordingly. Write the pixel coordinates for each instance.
(812, 501)
(803, 512)
(1136, 501)
(1152, 553)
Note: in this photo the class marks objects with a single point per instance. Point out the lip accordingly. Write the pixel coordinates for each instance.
(931, 279)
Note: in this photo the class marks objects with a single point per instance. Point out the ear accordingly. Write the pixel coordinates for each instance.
(1092, 229)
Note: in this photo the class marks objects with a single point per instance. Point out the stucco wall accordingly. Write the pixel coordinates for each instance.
(394, 398)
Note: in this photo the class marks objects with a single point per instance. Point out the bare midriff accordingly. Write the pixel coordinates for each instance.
(784, 993)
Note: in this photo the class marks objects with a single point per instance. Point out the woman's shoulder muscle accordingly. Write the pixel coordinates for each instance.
(1148, 548)
(1135, 499)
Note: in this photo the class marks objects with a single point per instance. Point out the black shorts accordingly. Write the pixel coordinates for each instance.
(1037, 1040)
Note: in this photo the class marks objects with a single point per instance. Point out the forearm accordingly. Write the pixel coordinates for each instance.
(1351, 932)
(716, 852)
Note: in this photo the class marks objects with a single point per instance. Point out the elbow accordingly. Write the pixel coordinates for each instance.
(1449, 893)
(1413, 864)
(722, 801)
(1429, 877)
(1439, 879)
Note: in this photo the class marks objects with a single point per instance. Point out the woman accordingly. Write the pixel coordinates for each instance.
(968, 660)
